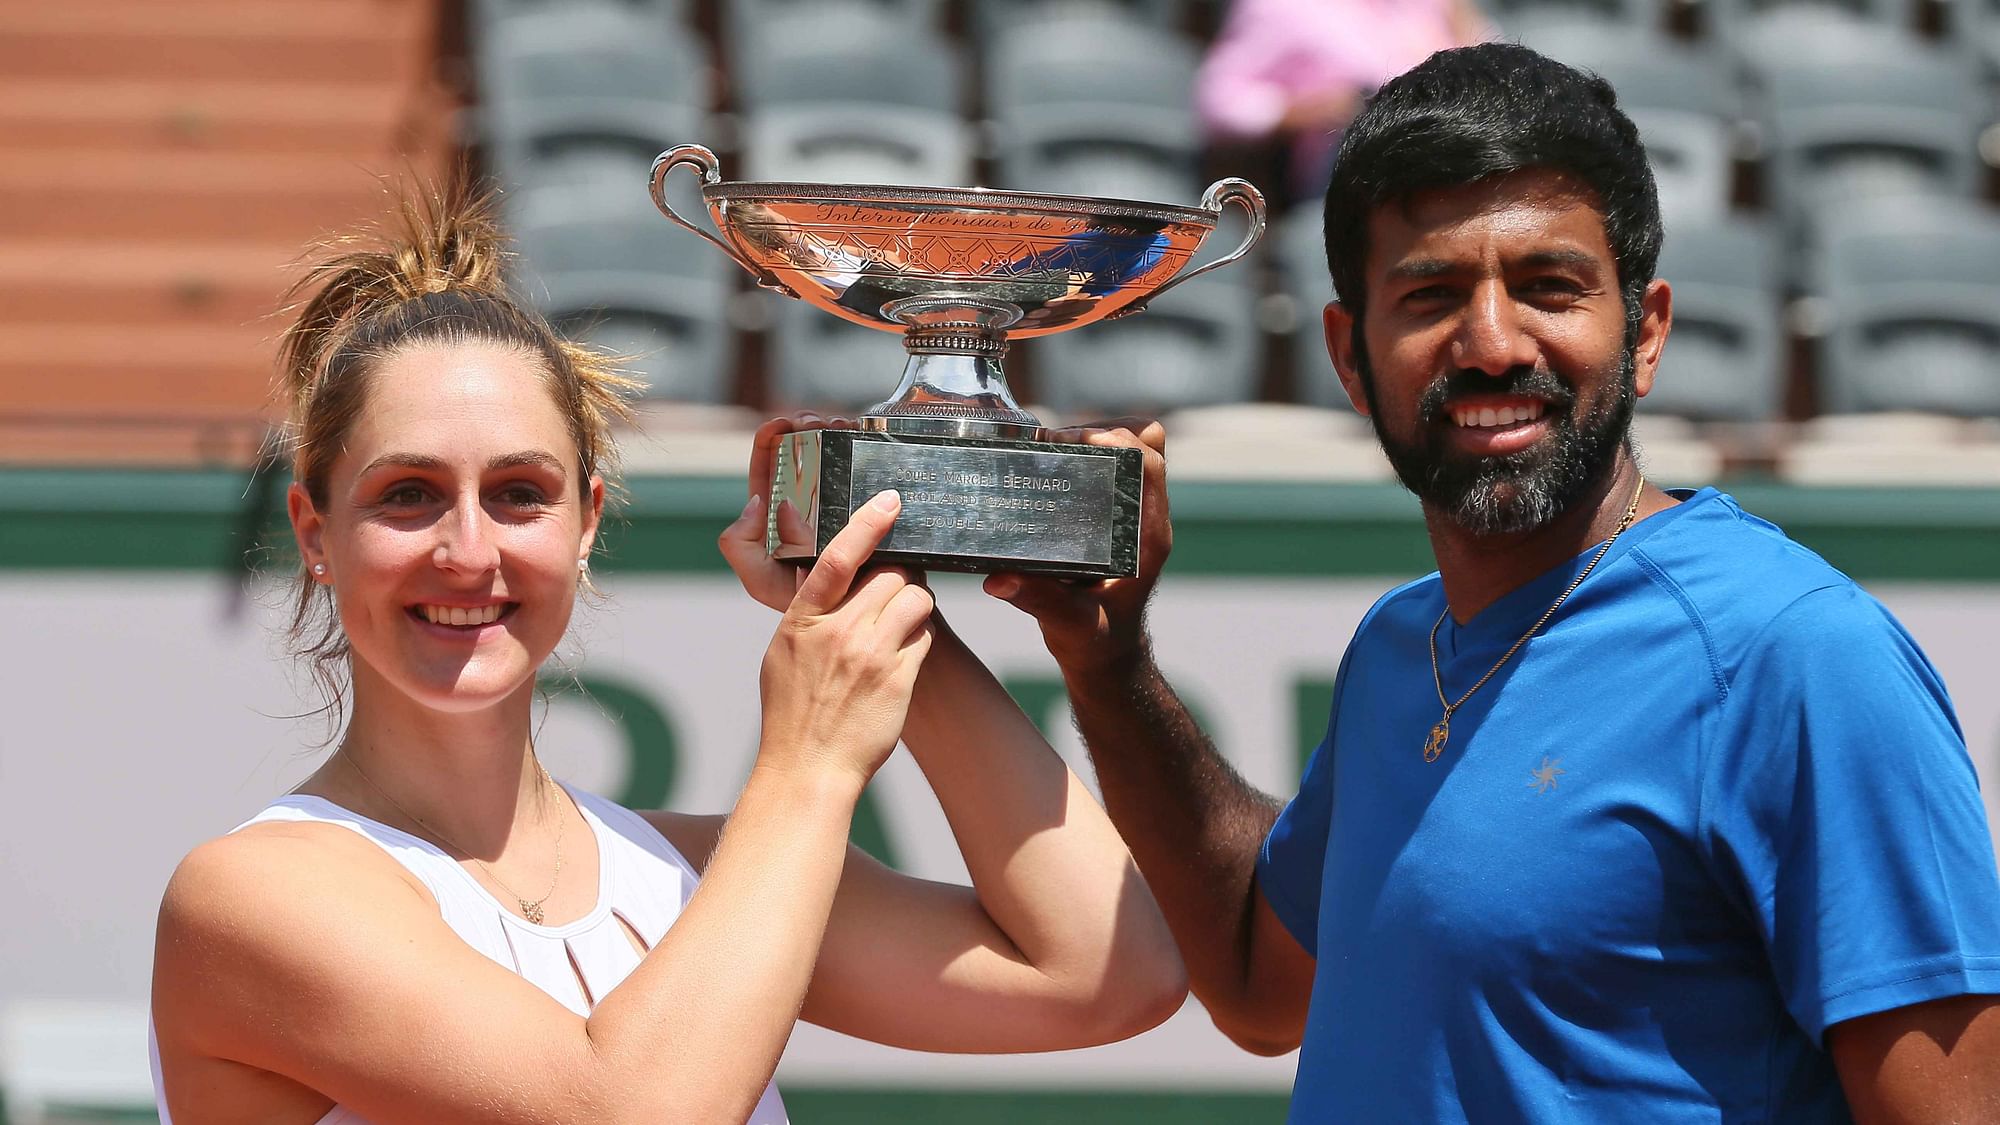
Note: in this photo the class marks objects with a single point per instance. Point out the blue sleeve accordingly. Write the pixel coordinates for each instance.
(1293, 859)
(1841, 806)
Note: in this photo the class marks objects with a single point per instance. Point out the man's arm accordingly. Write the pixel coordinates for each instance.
(1924, 1064)
(1194, 827)
(1193, 824)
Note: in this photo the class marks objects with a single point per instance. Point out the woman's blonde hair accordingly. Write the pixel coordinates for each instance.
(434, 273)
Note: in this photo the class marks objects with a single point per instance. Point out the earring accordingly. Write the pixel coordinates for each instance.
(319, 569)
(583, 565)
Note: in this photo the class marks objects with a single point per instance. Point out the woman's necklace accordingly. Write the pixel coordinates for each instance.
(1434, 746)
(532, 911)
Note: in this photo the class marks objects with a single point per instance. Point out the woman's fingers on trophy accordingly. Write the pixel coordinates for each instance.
(793, 531)
(830, 579)
(764, 453)
(764, 445)
(766, 579)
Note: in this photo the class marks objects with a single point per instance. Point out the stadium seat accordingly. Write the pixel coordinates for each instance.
(487, 13)
(824, 362)
(1299, 241)
(1731, 19)
(857, 144)
(1723, 360)
(569, 228)
(744, 20)
(1853, 112)
(1112, 151)
(1693, 160)
(667, 333)
(1195, 346)
(1513, 15)
(1977, 25)
(1648, 69)
(844, 51)
(1912, 290)
(1684, 99)
(992, 18)
(621, 276)
(582, 80)
(1031, 66)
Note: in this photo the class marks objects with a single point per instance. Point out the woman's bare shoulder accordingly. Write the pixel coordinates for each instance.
(263, 904)
(268, 883)
(244, 870)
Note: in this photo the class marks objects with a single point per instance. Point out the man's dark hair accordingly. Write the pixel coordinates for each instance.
(1472, 113)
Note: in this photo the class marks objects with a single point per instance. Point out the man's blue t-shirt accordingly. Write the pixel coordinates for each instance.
(1717, 804)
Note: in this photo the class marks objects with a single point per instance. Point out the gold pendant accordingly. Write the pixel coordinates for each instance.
(532, 911)
(1435, 745)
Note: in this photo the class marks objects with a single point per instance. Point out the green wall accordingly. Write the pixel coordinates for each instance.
(207, 520)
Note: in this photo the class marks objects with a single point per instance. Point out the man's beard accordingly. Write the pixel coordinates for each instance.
(1519, 491)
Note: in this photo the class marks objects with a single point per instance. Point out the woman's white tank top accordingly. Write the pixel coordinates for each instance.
(642, 883)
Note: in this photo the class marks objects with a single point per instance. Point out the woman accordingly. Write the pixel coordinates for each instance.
(367, 949)
(1299, 70)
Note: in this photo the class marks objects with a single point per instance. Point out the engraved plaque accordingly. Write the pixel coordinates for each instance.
(1001, 503)
(968, 504)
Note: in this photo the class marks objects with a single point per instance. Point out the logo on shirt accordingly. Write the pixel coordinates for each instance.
(1544, 779)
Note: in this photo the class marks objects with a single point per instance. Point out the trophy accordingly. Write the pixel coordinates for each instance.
(959, 272)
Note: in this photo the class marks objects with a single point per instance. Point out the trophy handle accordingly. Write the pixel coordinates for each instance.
(1220, 194)
(702, 157)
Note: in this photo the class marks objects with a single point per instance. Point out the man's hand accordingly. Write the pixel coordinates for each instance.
(1090, 625)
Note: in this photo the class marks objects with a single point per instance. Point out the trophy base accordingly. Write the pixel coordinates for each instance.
(969, 504)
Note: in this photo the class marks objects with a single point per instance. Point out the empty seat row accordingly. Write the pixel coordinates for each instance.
(1905, 294)
(872, 51)
(1848, 111)
(837, 100)
(1730, 19)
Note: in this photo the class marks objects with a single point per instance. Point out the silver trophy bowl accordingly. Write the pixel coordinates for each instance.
(959, 272)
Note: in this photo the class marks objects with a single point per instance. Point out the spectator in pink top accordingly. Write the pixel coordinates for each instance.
(1300, 69)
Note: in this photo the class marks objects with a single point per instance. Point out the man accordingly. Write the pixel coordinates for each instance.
(1635, 811)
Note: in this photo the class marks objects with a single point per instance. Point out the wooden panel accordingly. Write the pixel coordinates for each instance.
(295, 41)
(75, 281)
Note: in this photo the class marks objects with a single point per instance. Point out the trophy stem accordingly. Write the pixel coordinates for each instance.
(953, 385)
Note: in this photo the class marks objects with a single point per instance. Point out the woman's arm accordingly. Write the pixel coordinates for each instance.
(342, 977)
(1057, 944)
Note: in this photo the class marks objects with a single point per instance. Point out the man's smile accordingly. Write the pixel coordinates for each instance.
(1495, 425)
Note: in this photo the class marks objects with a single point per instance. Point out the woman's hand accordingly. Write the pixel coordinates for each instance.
(767, 579)
(837, 678)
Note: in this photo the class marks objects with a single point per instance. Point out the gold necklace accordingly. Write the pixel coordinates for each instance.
(532, 911)
(1434, 746)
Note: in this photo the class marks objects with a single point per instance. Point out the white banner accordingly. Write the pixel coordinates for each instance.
(142, 713)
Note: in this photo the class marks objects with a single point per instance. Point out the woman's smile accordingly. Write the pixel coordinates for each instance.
(461, 619)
